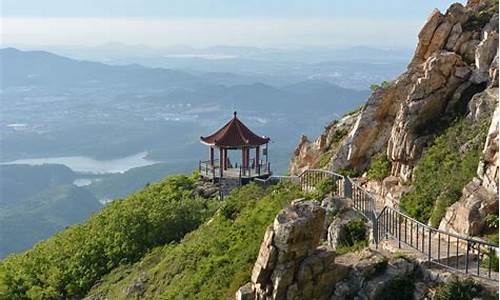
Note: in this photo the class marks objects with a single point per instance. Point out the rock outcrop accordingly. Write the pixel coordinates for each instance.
(480, 195)
(326, 149)
(291, 264)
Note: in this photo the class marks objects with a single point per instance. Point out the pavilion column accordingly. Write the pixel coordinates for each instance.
(225, 159)
(243, 156)
(247, 158)
(221, 160)
(211, 156)
(257, 159)
(267, 153)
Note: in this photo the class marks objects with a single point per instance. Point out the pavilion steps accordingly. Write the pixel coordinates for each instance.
(229, 184)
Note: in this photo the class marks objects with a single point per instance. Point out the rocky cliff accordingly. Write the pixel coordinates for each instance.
(455, 59)
(453, 74)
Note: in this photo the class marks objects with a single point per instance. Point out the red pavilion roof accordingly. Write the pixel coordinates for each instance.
(234, 135)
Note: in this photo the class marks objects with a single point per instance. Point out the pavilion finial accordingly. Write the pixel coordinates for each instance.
(235, 113)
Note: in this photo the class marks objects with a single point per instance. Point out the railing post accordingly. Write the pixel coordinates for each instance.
(467, 258)
(478, 258)
(430, 245)
(347, 187)
(490, 259)
(399, 231)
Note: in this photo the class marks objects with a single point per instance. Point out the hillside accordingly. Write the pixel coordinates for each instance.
(68, 264)
(149, 226)
(209, 263)
(39, 217)
(38, 201)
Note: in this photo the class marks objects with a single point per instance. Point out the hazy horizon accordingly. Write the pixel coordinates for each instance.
(207, 23)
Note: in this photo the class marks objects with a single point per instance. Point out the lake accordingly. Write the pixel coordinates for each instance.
(85, 164)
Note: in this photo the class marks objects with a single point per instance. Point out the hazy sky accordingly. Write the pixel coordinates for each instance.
(208, 22)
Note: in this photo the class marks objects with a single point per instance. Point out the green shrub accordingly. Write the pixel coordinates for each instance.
(354, 237)
(492, 221)
(379, 168)
(492, 237)
(325, 187)
(399, 288)
(457, 289)
(375, 86)
(490, 261)
(348, 172)
(477, 21)
(355, 111)
(323, 160)
(322, 189)
(338, 134)
(444, 169)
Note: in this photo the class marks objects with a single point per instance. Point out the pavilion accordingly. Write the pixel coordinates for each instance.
(235, 136)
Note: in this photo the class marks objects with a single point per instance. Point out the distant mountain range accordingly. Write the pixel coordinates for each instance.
(20, 68)
(250, 64)
(55, 106)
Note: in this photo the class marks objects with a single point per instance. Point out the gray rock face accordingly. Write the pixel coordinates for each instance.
(423, 106)
(290, 264)
(455, 64)
(368, 277)
(307, 154)
(480, 196)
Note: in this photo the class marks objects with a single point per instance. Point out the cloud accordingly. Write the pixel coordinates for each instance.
(207, 32)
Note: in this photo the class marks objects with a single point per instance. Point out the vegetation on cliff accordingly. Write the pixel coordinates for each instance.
(461, 289)
(67, 265)
(444, 169)
(380, 167)
(210, 262)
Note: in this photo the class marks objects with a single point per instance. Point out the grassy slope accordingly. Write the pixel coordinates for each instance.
(210, 262)
(445, 168)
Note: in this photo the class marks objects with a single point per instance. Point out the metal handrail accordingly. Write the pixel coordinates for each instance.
(389, 224)
(438, 230)
(474, 251)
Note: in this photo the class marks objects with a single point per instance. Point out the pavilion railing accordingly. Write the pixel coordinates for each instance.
(263, 168)
(206, 169)
(212, 171)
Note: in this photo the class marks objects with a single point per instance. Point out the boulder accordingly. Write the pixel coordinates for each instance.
(480, 195)
(485, 52)
(427, 32)
(467, 216)
(439, 38)
(336, 230)
(290, 263)
(245, 292)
